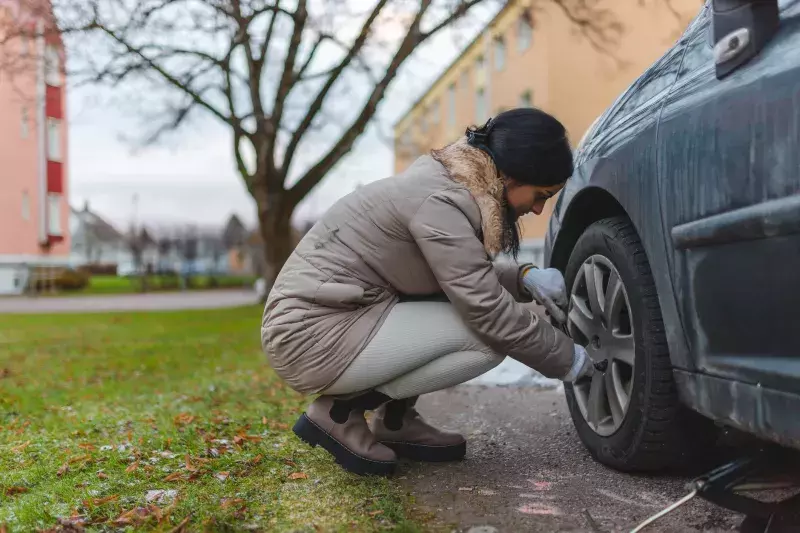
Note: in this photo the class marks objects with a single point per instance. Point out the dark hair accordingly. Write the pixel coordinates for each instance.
(526, 145)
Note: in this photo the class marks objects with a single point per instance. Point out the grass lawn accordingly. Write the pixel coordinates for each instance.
(166, 422)
(99, 284)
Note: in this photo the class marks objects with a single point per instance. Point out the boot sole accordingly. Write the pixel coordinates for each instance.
(430, 454)
(313, 435)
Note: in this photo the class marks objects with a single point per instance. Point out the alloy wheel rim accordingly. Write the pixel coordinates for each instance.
(600, 319)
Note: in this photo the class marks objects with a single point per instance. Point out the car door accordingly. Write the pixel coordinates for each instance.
(729, 184)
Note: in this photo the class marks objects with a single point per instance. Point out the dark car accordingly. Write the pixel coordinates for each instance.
(679, 238)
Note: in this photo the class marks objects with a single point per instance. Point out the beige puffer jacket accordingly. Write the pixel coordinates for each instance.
(431, 229)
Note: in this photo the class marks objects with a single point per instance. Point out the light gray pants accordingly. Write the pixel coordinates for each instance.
(421, 347)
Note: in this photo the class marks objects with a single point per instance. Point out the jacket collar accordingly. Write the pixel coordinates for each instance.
(475, 170)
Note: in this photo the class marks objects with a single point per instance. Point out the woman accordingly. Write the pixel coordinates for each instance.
(354, 314)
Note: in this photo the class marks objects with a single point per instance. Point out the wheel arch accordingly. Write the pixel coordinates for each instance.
(589, 205)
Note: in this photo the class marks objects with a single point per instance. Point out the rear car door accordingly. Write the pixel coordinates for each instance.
(729, 184)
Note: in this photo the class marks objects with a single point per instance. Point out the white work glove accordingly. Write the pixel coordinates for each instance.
(582, 366)
(548, 289)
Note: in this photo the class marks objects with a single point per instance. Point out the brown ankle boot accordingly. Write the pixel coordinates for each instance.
(399, 426)
(340, 428)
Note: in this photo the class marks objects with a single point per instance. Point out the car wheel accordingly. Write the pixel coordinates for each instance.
(628, 414)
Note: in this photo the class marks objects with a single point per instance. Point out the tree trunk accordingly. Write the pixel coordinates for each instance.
(276, 236)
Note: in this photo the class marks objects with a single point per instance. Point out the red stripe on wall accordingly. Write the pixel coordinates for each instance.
(53, 106)
(55, 177)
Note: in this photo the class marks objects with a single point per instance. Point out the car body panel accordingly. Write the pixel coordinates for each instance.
(708, 171)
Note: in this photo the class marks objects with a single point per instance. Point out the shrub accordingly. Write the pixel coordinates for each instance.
(72, 280)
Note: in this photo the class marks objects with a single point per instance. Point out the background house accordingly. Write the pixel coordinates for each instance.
(96, 241)
(531, 54)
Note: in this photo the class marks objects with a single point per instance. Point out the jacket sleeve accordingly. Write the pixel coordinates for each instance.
(469, 279)
(509, 275)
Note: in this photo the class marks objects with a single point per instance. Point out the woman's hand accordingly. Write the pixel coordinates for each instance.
(582, 366)
(548, 289)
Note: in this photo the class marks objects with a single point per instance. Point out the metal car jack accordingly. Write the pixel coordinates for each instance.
(771, 469)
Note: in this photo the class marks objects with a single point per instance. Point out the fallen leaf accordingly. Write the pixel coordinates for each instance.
(21, 447)
(80, 459)
(138, 516)
(132, 467)
(264, 420)
(298, 475)
(184, 419)
(63, 470)
(257, 459)
(175, 476)
(375, 513)
(3, 528)
(288, 462)
(4, 373)
(102, 475)
(222, 476)
(87, 447)
(101, 501)
(226, 503)
(11, 491)
(180, 527)
(189, 466)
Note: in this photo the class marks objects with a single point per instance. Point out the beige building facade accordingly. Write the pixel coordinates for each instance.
(532, 54)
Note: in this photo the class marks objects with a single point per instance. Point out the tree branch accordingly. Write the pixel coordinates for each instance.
(316, 105)
(166, 75)
(345, 143)
(287, 77)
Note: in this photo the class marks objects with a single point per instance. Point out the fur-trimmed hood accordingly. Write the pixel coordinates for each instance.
(475, 170)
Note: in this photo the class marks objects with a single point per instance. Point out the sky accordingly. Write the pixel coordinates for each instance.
(191, 179)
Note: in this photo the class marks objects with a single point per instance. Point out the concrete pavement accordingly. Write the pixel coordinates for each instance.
(526, 470)
(217, 299)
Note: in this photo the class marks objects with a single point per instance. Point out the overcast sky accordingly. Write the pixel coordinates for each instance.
(192, 179)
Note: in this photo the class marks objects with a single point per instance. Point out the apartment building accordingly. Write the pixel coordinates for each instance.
(34, 214)
(532, 54)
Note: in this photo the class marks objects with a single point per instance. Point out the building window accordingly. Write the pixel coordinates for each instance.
(53, 139)
(524, 33)
(480, 64)
(435, 118)
(52, 66)
(465, 79)
(451, 105)
(526, 99)
(54, 214)
(24, 124)
(480, 106)
(499, 54)
(26, 206)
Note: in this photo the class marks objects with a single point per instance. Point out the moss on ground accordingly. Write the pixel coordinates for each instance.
(98, 412)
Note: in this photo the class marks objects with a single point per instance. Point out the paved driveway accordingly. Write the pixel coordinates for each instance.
(130, 302)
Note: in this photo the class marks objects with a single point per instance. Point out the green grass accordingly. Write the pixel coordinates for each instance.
(97, 410)
(100, 284)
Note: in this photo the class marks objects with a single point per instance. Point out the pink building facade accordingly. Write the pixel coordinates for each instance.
(34, 211)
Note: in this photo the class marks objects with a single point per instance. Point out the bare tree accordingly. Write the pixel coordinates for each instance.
(139, 242)
(285, 76)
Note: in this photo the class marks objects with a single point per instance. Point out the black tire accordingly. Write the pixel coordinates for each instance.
(654, 432)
